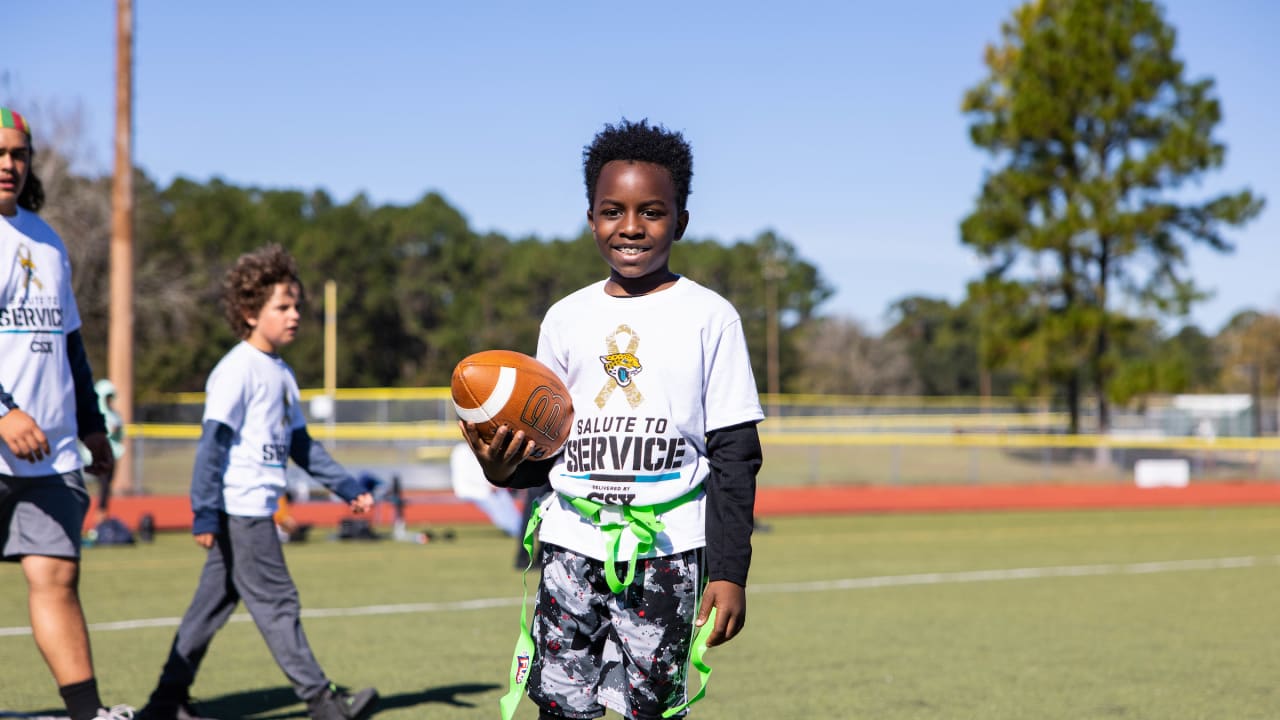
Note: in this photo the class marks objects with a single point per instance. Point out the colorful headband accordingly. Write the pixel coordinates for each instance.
(11, 119)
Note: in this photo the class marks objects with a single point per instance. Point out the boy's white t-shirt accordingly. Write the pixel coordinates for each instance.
(256, 395)
(649, 377)
(37, 312)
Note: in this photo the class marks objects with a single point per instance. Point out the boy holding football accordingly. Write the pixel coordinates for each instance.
(658, 474)
(253, 425)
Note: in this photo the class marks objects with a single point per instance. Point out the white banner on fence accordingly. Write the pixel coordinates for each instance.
(1161, 473)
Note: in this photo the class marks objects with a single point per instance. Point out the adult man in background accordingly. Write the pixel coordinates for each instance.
(47, 400)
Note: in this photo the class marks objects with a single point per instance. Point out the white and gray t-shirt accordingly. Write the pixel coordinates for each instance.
(256, 395)
(37, 312)
(649, 376)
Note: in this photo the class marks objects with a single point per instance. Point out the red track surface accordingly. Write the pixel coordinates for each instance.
(443, 508)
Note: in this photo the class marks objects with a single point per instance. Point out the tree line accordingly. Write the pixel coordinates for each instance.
(418, 289)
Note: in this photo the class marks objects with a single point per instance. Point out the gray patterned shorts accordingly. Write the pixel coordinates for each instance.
(628, 652)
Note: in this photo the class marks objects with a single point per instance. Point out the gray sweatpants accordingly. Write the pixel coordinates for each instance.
(246, 563)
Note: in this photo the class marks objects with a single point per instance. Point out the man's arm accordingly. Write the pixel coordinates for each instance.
(91, 426)
(89, 418)
(19, 431)
(6, 401)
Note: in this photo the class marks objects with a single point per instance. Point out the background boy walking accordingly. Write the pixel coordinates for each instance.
(253, 424)
(660, 467)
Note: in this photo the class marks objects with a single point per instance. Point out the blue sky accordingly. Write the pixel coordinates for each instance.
(836, 124)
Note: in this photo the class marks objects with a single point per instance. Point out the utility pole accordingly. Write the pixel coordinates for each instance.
(1255, 396)
(120, 328)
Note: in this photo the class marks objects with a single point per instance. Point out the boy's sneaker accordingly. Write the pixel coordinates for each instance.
(117, 712)
(180, 711)
(335, 704)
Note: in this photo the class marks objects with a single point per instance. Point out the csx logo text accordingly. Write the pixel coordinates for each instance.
(612, 498)
(41, 346)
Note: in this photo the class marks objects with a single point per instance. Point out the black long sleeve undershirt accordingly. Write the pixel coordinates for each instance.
(89, 418)
(7, 400)
(735, 456)
(529, 474)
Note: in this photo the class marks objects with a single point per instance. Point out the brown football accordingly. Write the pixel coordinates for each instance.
(497, 387)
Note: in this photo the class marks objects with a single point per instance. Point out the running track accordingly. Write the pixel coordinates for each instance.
(443, 508)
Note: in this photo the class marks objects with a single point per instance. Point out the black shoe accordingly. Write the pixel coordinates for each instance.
(335, 704)
(147, 528)
(170, 711)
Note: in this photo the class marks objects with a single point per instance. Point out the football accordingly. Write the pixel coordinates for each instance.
(497, 387)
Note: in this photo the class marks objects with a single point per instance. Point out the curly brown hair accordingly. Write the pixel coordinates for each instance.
(249, 284)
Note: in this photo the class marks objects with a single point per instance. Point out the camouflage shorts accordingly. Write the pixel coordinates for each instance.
(628, 652)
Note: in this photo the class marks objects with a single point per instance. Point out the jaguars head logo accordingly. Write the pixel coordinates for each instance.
(621, 366)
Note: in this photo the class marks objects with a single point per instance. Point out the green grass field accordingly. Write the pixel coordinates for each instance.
(1160, 615)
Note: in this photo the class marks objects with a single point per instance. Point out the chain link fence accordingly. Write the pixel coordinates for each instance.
(808, 440)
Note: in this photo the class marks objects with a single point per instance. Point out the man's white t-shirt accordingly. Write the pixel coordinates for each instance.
(649, 376)
(37, 312)
(256, 395)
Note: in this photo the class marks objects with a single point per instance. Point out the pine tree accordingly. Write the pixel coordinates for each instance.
(1094, 129)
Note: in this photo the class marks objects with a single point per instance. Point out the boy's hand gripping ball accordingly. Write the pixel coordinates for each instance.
(502, 387)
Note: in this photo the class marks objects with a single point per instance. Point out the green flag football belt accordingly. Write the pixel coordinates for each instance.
(644, 523)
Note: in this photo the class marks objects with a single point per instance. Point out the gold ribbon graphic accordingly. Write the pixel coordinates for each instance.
(30, 267)
(630, 390)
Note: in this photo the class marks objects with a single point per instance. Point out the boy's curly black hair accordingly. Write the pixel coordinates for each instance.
(643, 142)
(249, 283)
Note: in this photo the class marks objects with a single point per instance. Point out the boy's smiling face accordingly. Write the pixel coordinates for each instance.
(635, 221)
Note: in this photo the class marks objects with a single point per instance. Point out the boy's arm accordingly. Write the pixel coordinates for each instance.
(735, 457)
(504, 459)
(530, 474)
(312, 457)
(206, 478)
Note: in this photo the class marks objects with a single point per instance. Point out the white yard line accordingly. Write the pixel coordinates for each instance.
(865, 583)
(971, 576)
